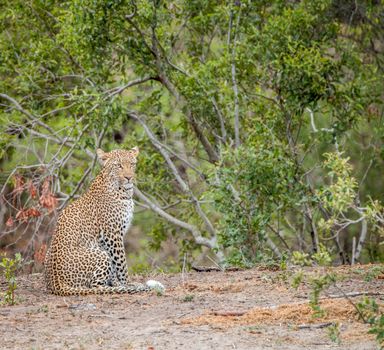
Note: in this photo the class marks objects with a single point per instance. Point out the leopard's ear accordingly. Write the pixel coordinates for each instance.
(135, 151)
(103, 156)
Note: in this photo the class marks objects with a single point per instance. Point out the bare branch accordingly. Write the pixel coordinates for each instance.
(134, 25)
(29, 115)
(162, 145)
(88, 171)
(221, 120)
(57, 110)
(278, 234)
(120, 89)
(363, 236)
(233, 73)
(184, 186)
(273, 246)
(131, 15)
(52, 134)
(212, 154)
(312, 120)
(314, 234)
(199, 239)
(353, 251)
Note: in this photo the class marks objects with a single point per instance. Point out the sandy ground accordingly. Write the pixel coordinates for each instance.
(252, 309)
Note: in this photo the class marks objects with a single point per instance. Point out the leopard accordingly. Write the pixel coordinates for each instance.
(87, 254)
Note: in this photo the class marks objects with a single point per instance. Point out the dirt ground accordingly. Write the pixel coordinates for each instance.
(251, 309)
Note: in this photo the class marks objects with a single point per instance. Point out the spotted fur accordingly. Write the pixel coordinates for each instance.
(87, 254)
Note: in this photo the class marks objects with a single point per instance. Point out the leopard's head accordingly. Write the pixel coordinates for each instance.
(119, 165)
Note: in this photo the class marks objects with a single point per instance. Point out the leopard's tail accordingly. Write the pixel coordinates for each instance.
(130, 288)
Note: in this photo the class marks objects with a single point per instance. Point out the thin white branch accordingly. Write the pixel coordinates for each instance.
(120, 89)
(363, 236)
(199, 239)
(234, 79)
(353, 251)
(312, 119)
(184, 186)
(221, 120)
(273, 246)
(88, 171)
(29, 115)
(311, 114)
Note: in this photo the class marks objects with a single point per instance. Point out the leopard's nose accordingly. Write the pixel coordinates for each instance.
(129, 178)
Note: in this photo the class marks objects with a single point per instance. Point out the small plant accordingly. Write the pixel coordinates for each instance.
(254, 329)
(318, 284)
(334, 332)
(43, 309)
(9, 267)
(322, 257)
(297, 279)
(283, 263)
(301, 259)
(188, 298)
(371, 313)
(373, 273)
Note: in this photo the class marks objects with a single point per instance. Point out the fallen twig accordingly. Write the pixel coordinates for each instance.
(348, 297)
(229, 313)
(315, 326)
(101, 315)
(214, 268)
(352, 294)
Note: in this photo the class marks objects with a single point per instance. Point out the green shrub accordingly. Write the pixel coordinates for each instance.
(9, 267)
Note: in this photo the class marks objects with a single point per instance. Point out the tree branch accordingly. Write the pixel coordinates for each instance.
(363, 236)
(162, 145)
(273, 246)
(233, 74)
(212, 154)
(199, 239)
(29, 115)
(120, 89)
(184, 186)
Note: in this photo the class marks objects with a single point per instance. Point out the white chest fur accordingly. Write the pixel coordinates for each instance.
(127, 207)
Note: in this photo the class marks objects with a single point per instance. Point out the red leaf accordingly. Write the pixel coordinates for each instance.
(22, 215)
(32, 189)
(46, 185)
(40, 253)
(25, 214)
(47, 198)
(32, 212)
(9, 222)
(48, 201)
(19, 184)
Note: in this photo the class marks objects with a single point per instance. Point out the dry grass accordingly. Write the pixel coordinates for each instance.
(335, 310)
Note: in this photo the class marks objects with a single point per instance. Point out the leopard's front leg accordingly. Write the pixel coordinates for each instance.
(114, 246)
(119, 260)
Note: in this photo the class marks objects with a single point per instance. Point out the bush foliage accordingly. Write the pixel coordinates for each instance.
(260, 123)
